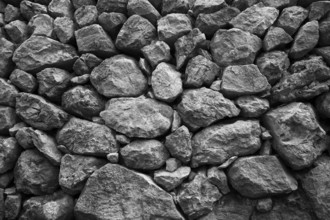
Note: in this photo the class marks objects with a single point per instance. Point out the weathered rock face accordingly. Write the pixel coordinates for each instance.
(8, 93)
(64, 28)
(7, 50)
(156, 53)
(112, 6)
(323, 105)
(24, 81)
(272, 178)
(119, 187)
(291, 18)
(276, 38)
(170, 180)
(207, 7)
(143, 8)
(217, 143)
(252, 106)
(7, 119)
(138, 117)
(9, 153)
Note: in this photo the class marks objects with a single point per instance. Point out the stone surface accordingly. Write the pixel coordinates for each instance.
(138, 117)
(217, 143)
(23, 81)
(291, 18)
(156, 53)
(113, 157)
(7, 119)
(207, 7)
(272, 179)
(173, 6)
(323, 105)
(318, 10)
(172, 164)
(219, 179)
(276, 38)
(5, 180)
(64, 28)
(112, 6)
(60, 8)
(324, 27)
(324, 52)
(13, 205)
(112, 22)
(86, 15)
(42, 25)
(29, 9)
(9, 153)
(11, 13)
(227, 163)
(17, 31)
(280, 4)
(143, 8)
(78, 3)
(24, 137)
(171, 180)
(264, 205)
(114, 186)
(86, 63)
(252, 106)
(7, 49)
(8, 93)
(87, 138)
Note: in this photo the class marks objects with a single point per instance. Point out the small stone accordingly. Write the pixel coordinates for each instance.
(60, 8)
(112, 6)
(173, 6)
(243, 4)
(219, 179)
(85, 64)
(228, 162)
(266, 135)
(143, 8)
(29, 9)
(23, 80)
(5, 180)
(172, 164)
(11, 13)
(13, 205)
(7, 49)
(24, 137)
(113, 157)
(176, 122)
(324, 31)
(123, 139)
(17, 31)
(86, 15)
(78, 3)
(8, 93)
(324, 52)
(75, 170)
(264, 205)
(64, 28)
(112, 22)
(13, 130)
(272, 179)
(252, 106)
(63, 149)
(171, 180)
(7, 119)
(318, 10)
(266, 148)
(10, 191)
(144, 155)
(9, 152)
(156, 53)
(323, 105)
(80, 80)
(42, 25)
(207, 7)
(276, 38)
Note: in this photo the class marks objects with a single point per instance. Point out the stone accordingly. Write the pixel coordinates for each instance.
(17, 31)
(64, 28)
(305, 40)
(136, 33)
(210, 23)
(234, 47)
(86, 63)
(13, 130)
(243, 80)
(144, 155)
(2, 201)
(112, 6)
(78, 3)
(13, 205)
(143, 8)
(176, 122)
(86, 15)
(297, 136)
(173, 26)
(166, 82)
(156, 53)
(207, 7)
(318, 10)
(276, 38)
(42, 25)
(264, 205)
(172, 164)
(138, 117)
(9, 153)
(24, 137)
(171, 180)
(60, 8)
(324, 28)
(29, 9)
(123, 139)
(7, 119)
(255, 19)
(273, 65)
(113, 157)
(112, 22)
(80, 80)
(87, 138)
(227, 163)
(93, 39)
(10, 191)
(54, 206)
(252, 106)
(34, 174)
(5, 180)
(219, 179)
(323, 104)
(173, 6)
(243, 4)
(119, 76)
(75, 171)
(196, 198)
(272, 179)
(280, 4)
(217, 143)
(202, 107)
(23, 81)
(7, 49)
(8, 93)
(324, 52)
(291, 18)
(39, 113)
(11, 13)
(114, 183)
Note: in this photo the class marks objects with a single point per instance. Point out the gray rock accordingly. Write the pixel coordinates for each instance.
(13, 130)
(87, 138)
(144, 154)
(23, 80)
(318, 10)
(11, 13)
(202, 107)
(112, 22)
(280, 4)
(29, 9)
(7, 119)
(172, 164)
(272, 179)
(234, 47)
(176, 122)
(17, 31)
(113, 157)
(156, 53)
(9, 153)
(323, 105)
(291, 18)
(7, 49)
(207, 7)
(60, 8)
(227, 163)
(297, 136)
(64, 28)
(42, 25)
(39, 113)
(78, 3)
(243, 4)
(123, 139)
(138, 117)
(324, 32)
(217, 143)
(252, 106)
(173, 6)
(171, 180)
(40, 52)
(166, 82)
(34, 174)
(24, 137)
(93, 39)
(2, 201)
(80, 80)
(143, 8)
(122, 187)
(264, 205)
(75, 171)
(8, 93)
(324, 52)
(243, 80)
(5, 180)
(13, 205)
(276, 38)
(86, 63)
(305, 40)
(219, 179)
(86, 15)
(119, 76)
(112, 6)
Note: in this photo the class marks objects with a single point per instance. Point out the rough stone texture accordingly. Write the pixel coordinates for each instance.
(291, 18)
(276, 38)
(75, 171)
(217, 143)
(252, 106)
(324, 52)
(156, 53)
(323, 105)
(87, 138)
(13, 205)
(219, 179)
(170, 180)
(143, 8)
(8, 93)
(23, 80)
(7, 119)
(207, 7)
(297, 136)
(42, 25)
(11, 13)
(34, 174)
(17, 31)
(202, 107)
(138, 117)
(78, 3)
(173, 6)
(318, 10)
(324, 27)
(60, 8)
(260, 176)
(112, 6)
(29, 9)
(264, 205)
(234, 47)
(114, 186)
(172, 164)
(64, 28)
(119, 76)
(112, 22)
(279, 3)
(86, 63)
(144, 155)
(86, 15)
(7, 49)
(9, 152)
(24, 137)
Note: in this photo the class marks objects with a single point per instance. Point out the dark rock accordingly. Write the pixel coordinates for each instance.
(40, 52)
(324, 52)
(207, 7)
(75, 170)
(252, 106)
(318, 10)
(136, 33)
(143, 8)
(217, 143)
(7, 49)
(34, 174)
(24, 81)
(13, 205)
(201, 107)
(172, 164)
(157, 4)
(138, 117)
(115, 182)
(297, 136)
(7, 119)
(243, 4)
(44, 2)
(57, 206)
(323, 105)
(219, 179)
(93, 39)
(60, 8)
(112, 22)
(78, 3)
(29, 9)
(5, 180)
(112, 6)
(171, 180)
(85, 64)
(11, 13)
(2, 202)
(86, 15)
(280, 4)
(24, 137)
(272, 179)
(8, 93)
(291, 18)
(264, 205)
(173, 6)
(87, 138)
(156, 53)
(9, 152)
(64, 28)
(324, 32)
(144, 155)
(276, 38)
(234, 47)
(17, 31)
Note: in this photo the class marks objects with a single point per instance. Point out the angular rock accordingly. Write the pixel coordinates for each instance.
(202, 107)
(60, 8)
(318, 10)
(7, 119)
(42, 25)
(75, 171)
(87, 138)
(8, 93)
(13, 130)
(166, 82)
(24, 137)
(324, 31)
(112, 22)
(34, 174)
(272, 179)
(324, 52)
(112, 6)
(13, 205)
(219, 179)
(171, 180)
(252, 106)
(297, 136)
(138, 117)
(9, 153)
(114, 183)
(234, 47)
(23, 80)
(7, 49)
(122, 139)
(86, 15)
(156, 53)
(64, 28)
(78, 3)
(217, 143)
(276, 38)
(143, 8)
(305, 40)
(39, 113)
(173, 6)
(86, 63)
(11, 13)
(17, 31)
(172, 164)
(29, 9)
(280, 4)
(207, 7)
(228, 162)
